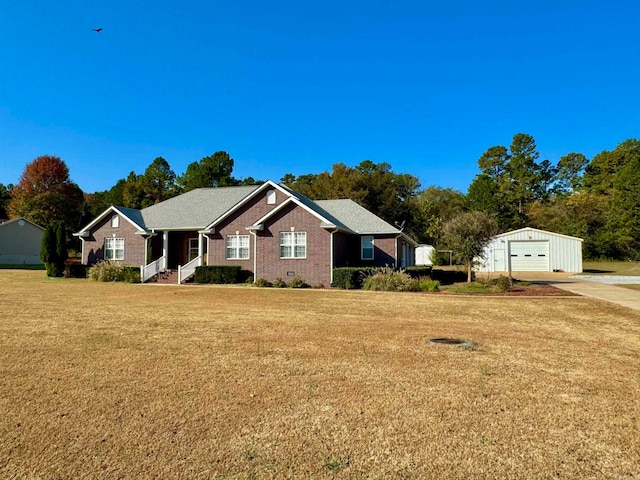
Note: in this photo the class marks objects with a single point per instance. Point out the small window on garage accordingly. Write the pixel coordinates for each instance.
(115, 221)
(271, 197)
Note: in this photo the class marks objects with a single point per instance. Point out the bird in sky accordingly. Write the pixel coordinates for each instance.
(97, 30)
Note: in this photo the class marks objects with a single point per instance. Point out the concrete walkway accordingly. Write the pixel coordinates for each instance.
(594, 288)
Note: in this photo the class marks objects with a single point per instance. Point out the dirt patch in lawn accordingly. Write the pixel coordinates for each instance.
(132, 381)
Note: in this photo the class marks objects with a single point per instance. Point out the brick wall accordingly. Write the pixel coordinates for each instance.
(134, 245)
(245, 216)
(315, 269)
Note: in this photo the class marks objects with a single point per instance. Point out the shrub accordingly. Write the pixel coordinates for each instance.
(245, 276)
(448, 277)
(350, 277)
(428, 285)
(503, 284)
(76, 270)
(106, 271)
(261, 282)
(389, 280)
(297, 282)
(217, 274)
(131, 274)
(419, 271)
(279, 283)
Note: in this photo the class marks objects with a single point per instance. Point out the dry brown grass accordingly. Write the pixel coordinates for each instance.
(132, 381)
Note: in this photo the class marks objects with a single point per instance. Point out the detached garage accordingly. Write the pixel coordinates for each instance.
(532, 250)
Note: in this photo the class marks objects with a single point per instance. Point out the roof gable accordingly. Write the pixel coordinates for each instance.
(239, 204)
(195, 209)
(326, 222)
(16, 220)
(531, 229)
(131, 215)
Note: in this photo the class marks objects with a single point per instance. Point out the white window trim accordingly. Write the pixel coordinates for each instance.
(362, 247)
(190, 248)
(288, 239)
(236, 249)
(113, 248)
(271, 197)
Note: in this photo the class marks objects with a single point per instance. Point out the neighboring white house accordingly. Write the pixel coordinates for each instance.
(423, 254)
(532, 250)
(20, 242)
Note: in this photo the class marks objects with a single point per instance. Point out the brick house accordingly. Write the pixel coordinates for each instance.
(266, 229)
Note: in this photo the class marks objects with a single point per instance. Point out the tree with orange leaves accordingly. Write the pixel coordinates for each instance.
(45, 194)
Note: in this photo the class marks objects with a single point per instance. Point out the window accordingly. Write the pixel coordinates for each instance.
(114, 248)
(293, 244)
(237, 247)
(367, 247)
(271, 197)
(193, 248)
(115, 221)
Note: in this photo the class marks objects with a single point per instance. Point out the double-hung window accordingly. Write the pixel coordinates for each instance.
(366, 243)
(237, 247)
(114, 248)
(293, 244)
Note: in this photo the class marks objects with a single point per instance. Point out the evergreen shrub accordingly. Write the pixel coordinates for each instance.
(217, 274)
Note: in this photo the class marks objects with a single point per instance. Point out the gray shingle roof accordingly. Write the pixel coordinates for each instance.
(134, 215)
(356, 218)
(198, 208)
(195, 209)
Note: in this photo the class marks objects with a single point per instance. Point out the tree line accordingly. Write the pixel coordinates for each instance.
(597, 199)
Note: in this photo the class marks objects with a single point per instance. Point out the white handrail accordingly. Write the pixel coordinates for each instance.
(188, 269)
(153, 268)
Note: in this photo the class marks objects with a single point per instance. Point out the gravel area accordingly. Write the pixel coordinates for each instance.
(610, 279)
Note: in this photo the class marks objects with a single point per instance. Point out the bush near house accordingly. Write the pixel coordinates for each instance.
(106, 271)
(218, 274)
(419, 271)
(76, 270)
(350, 277)
(390, 280)
(449, 277)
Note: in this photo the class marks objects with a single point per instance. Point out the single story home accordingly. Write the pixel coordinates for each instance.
(268, 230)
(532, 250)
(20, 242)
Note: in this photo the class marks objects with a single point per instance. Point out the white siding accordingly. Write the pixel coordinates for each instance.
(565, 253)
(423, 254)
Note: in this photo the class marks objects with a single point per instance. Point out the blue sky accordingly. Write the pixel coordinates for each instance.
(294, 87)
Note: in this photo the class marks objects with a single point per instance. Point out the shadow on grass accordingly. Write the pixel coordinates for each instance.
(22, 267)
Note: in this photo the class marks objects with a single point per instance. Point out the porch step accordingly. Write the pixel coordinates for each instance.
(165, 277)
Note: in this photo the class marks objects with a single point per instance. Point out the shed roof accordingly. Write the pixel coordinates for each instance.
(14, 220)
(531, 229)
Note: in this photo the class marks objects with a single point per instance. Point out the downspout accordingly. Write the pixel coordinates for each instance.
(396, 247)
(82, 247)
(331, 257)
(255, 255)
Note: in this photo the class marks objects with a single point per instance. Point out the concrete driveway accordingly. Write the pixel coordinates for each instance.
(592, 286)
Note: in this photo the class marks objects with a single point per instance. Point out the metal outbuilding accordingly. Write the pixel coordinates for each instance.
(532, 250)
(423, 254)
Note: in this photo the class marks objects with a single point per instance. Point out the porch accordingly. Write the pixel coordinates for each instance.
(174, 251)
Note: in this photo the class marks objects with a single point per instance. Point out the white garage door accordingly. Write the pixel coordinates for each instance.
(530, 256)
